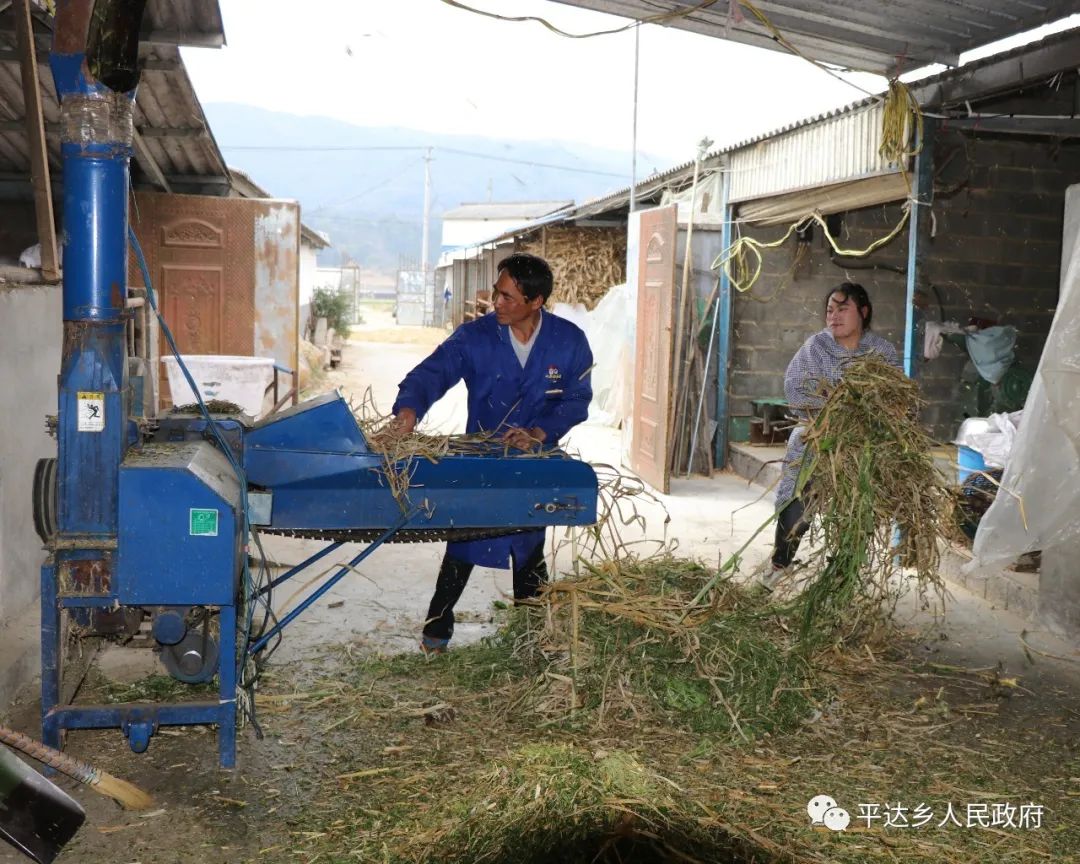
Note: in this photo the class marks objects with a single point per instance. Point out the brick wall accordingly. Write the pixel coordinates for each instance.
(787, 304)
(995, 253)
(997, 249)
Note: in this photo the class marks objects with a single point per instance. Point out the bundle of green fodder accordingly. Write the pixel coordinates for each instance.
(621, 645)
(874, 499)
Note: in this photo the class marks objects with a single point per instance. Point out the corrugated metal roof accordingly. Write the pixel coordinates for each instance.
(500, 210)
(183, 22)
(887, 38)
(173, 144)
(829, 151)
(931, 91)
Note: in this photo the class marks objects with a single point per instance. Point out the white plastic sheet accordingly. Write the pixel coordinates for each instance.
(1041, 484)
(240, 380)
(605, 328)
(991, 437)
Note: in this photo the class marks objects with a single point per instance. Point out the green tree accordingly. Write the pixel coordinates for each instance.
(334, 307)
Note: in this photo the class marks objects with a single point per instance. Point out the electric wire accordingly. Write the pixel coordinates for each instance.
(360, 148)
(780, 39)
(743, 274)
(244, 682)
(661, 18)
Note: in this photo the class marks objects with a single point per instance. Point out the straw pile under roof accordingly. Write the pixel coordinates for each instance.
(585, 262)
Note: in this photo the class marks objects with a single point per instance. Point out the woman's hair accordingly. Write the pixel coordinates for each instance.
(857, 294)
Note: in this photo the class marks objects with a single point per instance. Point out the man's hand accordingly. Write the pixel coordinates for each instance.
(401, 425)
(404, 421)
(525, 439)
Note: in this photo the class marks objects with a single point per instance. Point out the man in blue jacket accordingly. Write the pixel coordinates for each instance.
(527, 372)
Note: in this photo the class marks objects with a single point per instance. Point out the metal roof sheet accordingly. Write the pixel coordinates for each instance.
(981, 78)
(500, 210)
(243, 186)
(886, 38)
(173, 143)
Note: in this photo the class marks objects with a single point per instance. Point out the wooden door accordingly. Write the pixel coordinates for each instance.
(652, 364)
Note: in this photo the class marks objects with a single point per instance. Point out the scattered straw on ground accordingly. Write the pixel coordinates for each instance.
(601, 726)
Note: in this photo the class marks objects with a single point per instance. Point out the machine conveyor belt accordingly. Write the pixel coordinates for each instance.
(404, 535)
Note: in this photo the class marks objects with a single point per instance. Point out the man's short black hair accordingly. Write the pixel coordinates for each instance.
(531, 273)
(854, 292)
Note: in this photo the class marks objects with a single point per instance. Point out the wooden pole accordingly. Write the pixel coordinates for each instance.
(35, 130)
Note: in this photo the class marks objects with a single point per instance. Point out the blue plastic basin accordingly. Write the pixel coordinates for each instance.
(967, 461)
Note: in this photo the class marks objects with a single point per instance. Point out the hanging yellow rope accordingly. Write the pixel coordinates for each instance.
(900, 117)
(742, 274)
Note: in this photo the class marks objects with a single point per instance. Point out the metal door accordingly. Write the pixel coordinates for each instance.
(410, 298)
(652, 364)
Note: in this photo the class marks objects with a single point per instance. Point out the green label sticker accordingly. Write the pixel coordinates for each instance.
(203, 523)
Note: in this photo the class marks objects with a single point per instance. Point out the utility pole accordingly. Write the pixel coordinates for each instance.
(633, 139)
(427, 218)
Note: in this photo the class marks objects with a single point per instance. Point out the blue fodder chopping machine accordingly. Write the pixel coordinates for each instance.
(153, 522)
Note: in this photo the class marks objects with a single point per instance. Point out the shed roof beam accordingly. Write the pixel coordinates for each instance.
(172, 131)
(192, 39)
(1055, 127)
(198, 180)
(148, 163)
(1008, 73)
(157, 64)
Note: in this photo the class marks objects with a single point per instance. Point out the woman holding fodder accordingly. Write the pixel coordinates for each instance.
(816, 368)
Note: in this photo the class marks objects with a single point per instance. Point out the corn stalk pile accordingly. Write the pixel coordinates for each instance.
(584, 261)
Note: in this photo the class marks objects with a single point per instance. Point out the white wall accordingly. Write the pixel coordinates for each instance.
(309, 274)
(309, 281)
(466, 232)
(30, 336)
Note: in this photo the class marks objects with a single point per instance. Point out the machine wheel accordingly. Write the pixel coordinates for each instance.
(45, 499)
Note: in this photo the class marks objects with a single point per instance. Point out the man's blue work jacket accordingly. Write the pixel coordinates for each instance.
(553, 392)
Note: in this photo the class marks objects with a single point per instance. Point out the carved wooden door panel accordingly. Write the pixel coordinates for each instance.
(193, 307)
(655, 316)
(191, 279)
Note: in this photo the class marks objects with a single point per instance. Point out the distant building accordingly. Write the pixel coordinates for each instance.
(472, 223)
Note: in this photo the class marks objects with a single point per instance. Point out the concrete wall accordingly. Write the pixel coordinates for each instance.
(995, 254)
(30, 336)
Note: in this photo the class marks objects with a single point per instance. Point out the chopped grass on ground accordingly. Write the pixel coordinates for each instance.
(598, 726)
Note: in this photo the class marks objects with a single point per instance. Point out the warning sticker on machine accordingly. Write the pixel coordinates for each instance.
(91, 411)
(204, 523)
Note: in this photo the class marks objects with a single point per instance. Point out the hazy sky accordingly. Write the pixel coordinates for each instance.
(426, 65)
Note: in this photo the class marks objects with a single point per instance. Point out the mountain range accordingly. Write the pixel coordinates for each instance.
(368, 193)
